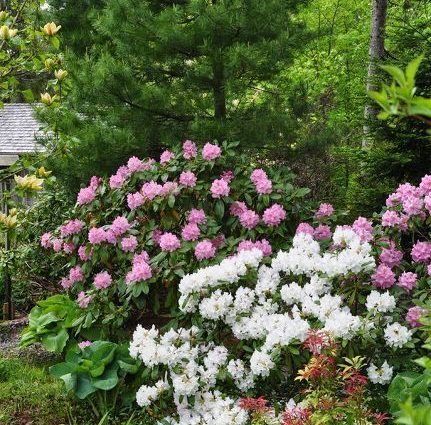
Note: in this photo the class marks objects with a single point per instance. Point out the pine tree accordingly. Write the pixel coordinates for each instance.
(148, 73)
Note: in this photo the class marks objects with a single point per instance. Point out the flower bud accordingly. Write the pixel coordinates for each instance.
(6, 33)
(3, 15)
(60, 74)
(49, 63)
(51, 29)
(47, 99)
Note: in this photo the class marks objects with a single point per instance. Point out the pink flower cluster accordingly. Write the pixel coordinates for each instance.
(414, 316)
(220, 188)
(72, 227)
(75, 275)
(169, 242)
(166, 156)
(84, 254)
(305, 228)
(188, 178)
(210, 152)
(363, 228)
(45, 240)
(263, 245)
(102, 280)
(120, 225)
(83, 299)
(261, 181)
(197, 216)
(189, 150)
(322, 232)
(190, 232)
(325, 210)
(141, 270)
(274, 215)
(391, 256)
(86, 195)
(421, 252)
(383, 277)
(205, 250)
(129, 244)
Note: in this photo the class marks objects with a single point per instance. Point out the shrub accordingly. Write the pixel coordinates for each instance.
(130, 239)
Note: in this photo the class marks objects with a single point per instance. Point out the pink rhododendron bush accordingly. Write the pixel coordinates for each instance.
(341, 305)
(132, 237)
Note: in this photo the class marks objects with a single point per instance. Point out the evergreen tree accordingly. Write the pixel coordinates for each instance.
(149, 73)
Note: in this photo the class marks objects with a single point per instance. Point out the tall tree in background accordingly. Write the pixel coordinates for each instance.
(153, 72)
(376, 55)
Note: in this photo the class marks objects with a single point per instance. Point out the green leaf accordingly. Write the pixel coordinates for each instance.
(55, 342)
(28, 95)
(84, 387)
(219, 209)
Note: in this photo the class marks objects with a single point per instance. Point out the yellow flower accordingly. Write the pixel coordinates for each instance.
(47, 99)
(29, 182)
(13, 211)
(8, 221)
(60, 74)
(6, 33)
(3, 15)
(49, 63)
(41, 172)
(51, 29)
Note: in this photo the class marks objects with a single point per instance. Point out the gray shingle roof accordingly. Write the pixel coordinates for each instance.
(18, 129)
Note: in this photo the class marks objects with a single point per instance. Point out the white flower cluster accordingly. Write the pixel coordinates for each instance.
(278, 305)
(191, 371)
(380, 375)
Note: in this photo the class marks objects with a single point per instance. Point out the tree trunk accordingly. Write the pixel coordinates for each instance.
(219, 88)
(376, 55)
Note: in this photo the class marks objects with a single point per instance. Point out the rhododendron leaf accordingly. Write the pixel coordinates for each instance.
(219, 209)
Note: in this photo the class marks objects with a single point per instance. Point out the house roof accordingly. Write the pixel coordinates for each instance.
(18, 129)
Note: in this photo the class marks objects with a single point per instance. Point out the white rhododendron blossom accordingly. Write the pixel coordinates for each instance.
(264, 304)
(380, 375)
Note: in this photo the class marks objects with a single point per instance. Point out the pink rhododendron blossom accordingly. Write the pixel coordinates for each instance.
(220, 188)
(205, 250)
(322, 232)
(249, 219)
(76, 274)
(414, 315)
(383, 277)
(189, 149)
(405, 191)
(197, 216)
(111, 237)
(227, 176)
(169, 242)
(274, 215)
(95, 182)
(391, 257)
(134, 200)
(116, 181)
(72, 227)
(190, 232)
(84, 344)
(363, 228)
(407, 280)
(166, 156)
(210, 152)
(325, 210)
(237, 208)
(169, 188)
(82, 252)
(188, 178)
(305, 228)
(57, 245)
(421, 252)
(96, 235)
(142, 257)
(140, 271)
(102, 280)
(151, 189)
(66, 283)
(263, 245)
(390, 219)
(68, 247)
(261, 181)
(86, 195)
(413, 205)
(129, 244)
(120, 226)
(425, 185)
(134, 164)
(84, 299)
(45, 240)
(427, 203)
